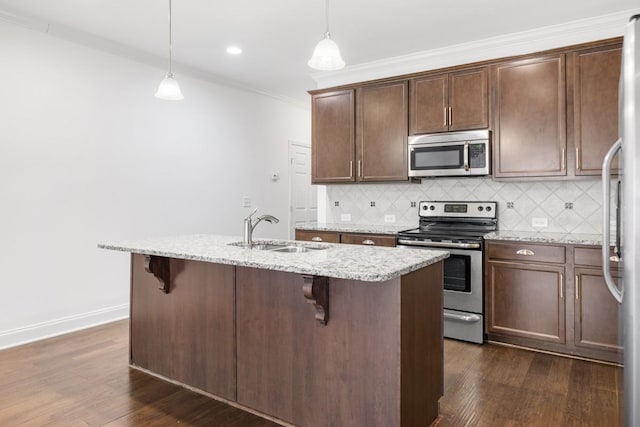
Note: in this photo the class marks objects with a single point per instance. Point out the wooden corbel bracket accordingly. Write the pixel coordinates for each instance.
(316, 291)
(159, 267)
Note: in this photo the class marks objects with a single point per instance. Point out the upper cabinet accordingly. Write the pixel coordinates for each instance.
(530, 122)
(552, 115)
(381, 132)
(449, 102)
(333, 137)
(596, 74)
(371, 148)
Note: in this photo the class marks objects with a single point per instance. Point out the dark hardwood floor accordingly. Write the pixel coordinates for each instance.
(82, 379)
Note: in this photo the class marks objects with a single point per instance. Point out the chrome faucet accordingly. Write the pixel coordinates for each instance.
(250, 225)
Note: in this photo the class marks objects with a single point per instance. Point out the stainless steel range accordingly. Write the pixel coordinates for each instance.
(457, 227)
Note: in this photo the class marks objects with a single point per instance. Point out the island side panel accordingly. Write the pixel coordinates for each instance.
(292, 367)
(188, 334)
(422, 344)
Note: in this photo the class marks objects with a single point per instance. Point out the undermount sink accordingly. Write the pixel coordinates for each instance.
(280, 247)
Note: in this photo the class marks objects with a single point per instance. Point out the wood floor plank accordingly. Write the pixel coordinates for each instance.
(83, 379)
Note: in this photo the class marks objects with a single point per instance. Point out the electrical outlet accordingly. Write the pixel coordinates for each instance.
(345, 217)
(246, 202)
(389, 218)
(539, 222)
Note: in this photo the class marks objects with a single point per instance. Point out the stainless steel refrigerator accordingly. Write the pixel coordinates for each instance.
(627, 218)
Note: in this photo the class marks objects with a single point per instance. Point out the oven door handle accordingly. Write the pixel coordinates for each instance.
(451, 245)
(465, 318)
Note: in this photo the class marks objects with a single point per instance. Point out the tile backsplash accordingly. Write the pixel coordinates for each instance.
(569, 206)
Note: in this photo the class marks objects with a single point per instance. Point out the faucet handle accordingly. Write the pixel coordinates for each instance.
(252, 213)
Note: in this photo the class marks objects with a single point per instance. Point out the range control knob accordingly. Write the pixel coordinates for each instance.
(480, 208)
(488, 208)
(425, 207)
(432, 207)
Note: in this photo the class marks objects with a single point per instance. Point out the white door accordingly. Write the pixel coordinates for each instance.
(303, 197)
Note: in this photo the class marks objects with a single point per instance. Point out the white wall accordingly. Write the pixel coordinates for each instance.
(87, 154)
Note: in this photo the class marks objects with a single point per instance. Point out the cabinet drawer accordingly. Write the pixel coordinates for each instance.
(318, 236)
(526, 252)
(368, 239)
(591, 257)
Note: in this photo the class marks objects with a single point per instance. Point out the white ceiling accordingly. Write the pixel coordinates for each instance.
(278, 36)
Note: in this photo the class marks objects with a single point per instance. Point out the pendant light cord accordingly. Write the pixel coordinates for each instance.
(170, 73)
(327, 17)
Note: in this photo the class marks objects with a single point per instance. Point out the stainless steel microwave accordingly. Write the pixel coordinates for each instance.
(450, 154)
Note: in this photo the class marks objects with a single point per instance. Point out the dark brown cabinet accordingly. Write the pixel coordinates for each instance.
(449, 102)
(597, 313)
(333, 136)
(188, 334)
(551, 297)
(360, 135)
(381, 132)
(525, 299)
(596, 74)
(530, 117)
(348, 238)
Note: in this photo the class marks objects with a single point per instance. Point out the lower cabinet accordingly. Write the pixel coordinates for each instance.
(551, 297)
(187, 334)
(597, 313)
(349, 238)
(526, 301)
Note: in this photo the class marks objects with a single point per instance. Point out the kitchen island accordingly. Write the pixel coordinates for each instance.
(327, 335)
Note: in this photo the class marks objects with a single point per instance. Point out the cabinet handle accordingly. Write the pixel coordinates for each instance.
(316, 239)
(577, 287)
(561, 286)
(445, 116)
(527, 252)
(350, 168)
(578, 157)
(450, 116)
(368, 242)
(562, 159)
(360, 168)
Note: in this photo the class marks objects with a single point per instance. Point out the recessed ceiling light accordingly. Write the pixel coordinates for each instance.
(234, 50)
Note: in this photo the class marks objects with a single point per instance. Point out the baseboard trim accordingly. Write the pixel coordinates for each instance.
(27, 334)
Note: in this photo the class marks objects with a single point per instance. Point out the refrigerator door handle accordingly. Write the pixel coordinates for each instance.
(606, 220)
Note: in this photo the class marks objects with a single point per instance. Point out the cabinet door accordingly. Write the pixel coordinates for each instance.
(595, 100)
(597, 313)
(469, 100)
(526, 300)
(428, 104)
(333, 133)
(188, 334)
(382, 132)
(530, 118)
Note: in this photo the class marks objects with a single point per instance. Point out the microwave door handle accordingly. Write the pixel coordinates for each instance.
(606, 223)
(466, 156)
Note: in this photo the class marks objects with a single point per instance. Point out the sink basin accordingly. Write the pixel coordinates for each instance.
(281, 247)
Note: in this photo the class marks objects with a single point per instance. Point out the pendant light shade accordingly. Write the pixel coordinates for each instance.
(326, 55)
(169, 88)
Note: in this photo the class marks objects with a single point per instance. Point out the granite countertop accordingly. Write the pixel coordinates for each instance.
(355, 228)
(354, 262)
(542, 237)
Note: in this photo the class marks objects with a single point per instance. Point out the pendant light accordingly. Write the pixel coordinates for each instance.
(326, 55)
(169, 88)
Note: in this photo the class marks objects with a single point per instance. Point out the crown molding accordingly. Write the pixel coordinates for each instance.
(555, 36)
(109, 46)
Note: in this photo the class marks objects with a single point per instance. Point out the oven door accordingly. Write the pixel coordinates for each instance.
(463, 281)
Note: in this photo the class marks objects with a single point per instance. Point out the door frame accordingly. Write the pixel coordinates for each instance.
(291, 144)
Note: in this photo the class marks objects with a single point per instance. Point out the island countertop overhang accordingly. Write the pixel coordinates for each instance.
(341, 261)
